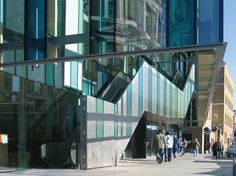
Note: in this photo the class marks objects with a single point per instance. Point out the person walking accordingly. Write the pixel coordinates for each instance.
(175, 145)
(159, 145)
(169, 146)
(183, 146)
(221, 148)
(195, 147)
(216, 149)
(208, 147)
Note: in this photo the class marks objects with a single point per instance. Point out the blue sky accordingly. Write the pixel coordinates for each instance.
(230, 38)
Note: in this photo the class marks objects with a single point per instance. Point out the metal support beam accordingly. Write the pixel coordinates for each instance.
(116, 54)
(68, 39)
(11, 46)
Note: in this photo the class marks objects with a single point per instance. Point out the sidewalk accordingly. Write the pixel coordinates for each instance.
(187, 165)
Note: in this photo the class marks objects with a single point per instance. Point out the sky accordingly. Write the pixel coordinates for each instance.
(230, 38)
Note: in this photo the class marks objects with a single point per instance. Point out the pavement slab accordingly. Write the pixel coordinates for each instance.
(187, 165)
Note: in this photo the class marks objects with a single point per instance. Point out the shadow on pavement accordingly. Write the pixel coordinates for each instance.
(12, 170)
(139, 161)
(225, 167)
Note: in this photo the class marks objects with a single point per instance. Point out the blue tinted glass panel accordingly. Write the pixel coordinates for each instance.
(129, 101)
(150, 89)
(74, 74)
(210, 21)
(140, 92)
(128, 129)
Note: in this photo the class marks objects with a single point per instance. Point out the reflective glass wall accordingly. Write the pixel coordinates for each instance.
(140, 23)
(12, 28)
(33, 114)
(121, 26)
(66, 28)
(12, 31)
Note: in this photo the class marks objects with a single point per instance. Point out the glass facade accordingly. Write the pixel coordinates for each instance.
(45, 119)
(40, 104)
(66, 28)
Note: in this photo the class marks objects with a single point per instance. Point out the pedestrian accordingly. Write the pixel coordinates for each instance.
(169, 146)
(195, 147)
(221, 148)
(159, 145)
(183, 146)
(175, 145)
(208, 147)
(216, 149)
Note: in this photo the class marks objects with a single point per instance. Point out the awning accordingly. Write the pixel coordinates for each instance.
(207, 70)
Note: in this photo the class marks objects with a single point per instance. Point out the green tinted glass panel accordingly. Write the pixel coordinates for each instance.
(116, 129)
(116, 109)
(182, 22)
(85, 87)
(99, 106)
(50, 74)
(129, 101)
(119, 129)
(21, 70)
(128, 129)
(74, 74)
(100, 129)
(59, 17)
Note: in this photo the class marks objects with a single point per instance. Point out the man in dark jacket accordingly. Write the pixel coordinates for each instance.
(216, 148)
(159, 146)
